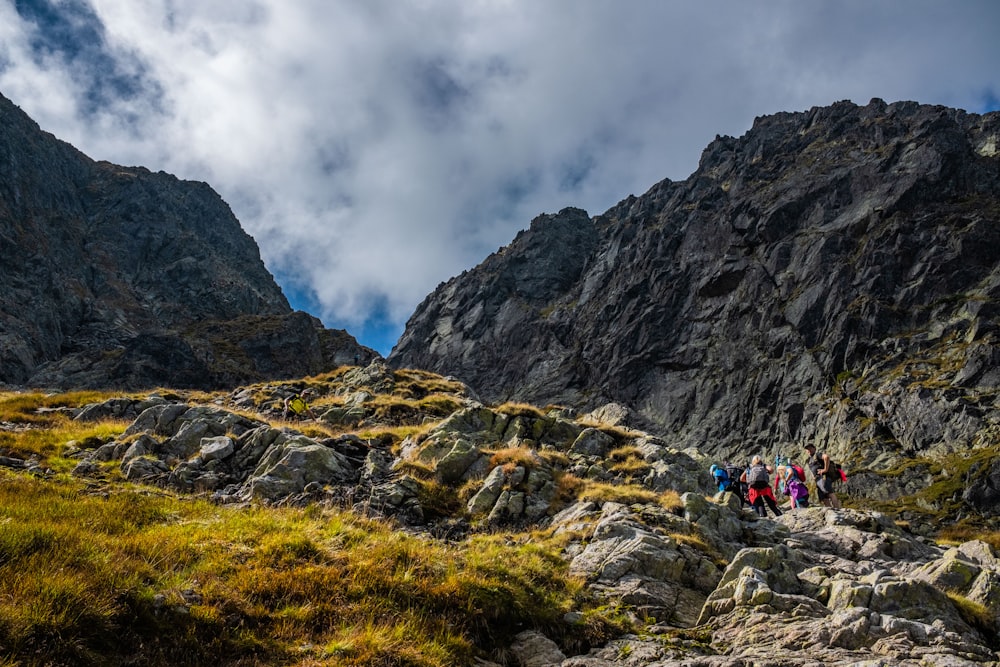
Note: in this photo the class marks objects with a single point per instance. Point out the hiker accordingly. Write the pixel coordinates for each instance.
(726, 478)
(757, 477)
(792, 484)
(780, 470)
(738, 487)
(298, 405)
(825, 472)
(722, 480)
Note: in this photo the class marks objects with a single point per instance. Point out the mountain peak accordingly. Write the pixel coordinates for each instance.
(110, 272)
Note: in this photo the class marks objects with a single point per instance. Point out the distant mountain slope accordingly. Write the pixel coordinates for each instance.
(111, 275)
(831, 276)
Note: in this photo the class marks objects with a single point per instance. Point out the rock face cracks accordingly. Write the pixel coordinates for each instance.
(832, 276)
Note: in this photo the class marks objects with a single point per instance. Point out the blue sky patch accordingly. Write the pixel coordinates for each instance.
(990, 101)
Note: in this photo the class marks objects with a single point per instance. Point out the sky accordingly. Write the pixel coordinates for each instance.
(376, 148)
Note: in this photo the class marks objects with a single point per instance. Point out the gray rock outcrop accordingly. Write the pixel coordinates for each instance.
(205, 449)
(832, 587)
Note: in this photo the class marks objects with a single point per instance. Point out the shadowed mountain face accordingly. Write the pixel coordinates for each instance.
(832, 276)
(113, 276)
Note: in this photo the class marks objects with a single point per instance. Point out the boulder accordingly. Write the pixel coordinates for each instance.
(627, 560)
(144, 469)
(454, 465)
(592, 442)
(533, 649)
(216, 449)
(514, 494)
(718, 520)
(117, 408)
(288, 466)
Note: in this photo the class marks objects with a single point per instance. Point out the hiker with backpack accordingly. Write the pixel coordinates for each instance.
(727, 480)
(758, 478)
(721, 478)
(825, 472)
(739, 487)
(790, 481)
(297, 405)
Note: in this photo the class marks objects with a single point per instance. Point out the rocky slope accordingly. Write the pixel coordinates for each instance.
(705, 582)
(832, 276)
(117, 276)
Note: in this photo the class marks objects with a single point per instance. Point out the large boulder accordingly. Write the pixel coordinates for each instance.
(644, 567)
(514, 494)
(289, 465)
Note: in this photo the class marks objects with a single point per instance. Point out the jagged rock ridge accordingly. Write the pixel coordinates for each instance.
(832, 276)
(118, 276)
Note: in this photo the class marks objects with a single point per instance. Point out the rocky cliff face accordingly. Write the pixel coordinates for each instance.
(114, 276)
(832, 276)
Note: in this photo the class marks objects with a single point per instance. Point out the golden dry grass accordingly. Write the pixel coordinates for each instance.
(98, 578)
(520, 410)
(515, 456)
(958, 533)
(627, 494)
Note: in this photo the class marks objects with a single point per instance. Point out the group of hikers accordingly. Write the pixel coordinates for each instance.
(753, 483)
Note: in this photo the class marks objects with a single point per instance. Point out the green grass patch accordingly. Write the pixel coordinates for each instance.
(49, 444)
(147, 577)
(38, 409)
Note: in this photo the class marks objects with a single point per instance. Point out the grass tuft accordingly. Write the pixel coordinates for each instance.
(520, 410)
(975, 614)
(515, 456)
(628, 494)
(959, 533)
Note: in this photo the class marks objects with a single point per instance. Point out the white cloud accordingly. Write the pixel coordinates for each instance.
(376, 148)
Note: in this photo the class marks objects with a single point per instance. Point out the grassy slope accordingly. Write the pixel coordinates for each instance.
(110, 572)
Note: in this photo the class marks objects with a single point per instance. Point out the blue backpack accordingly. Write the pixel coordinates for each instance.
(722, 479)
